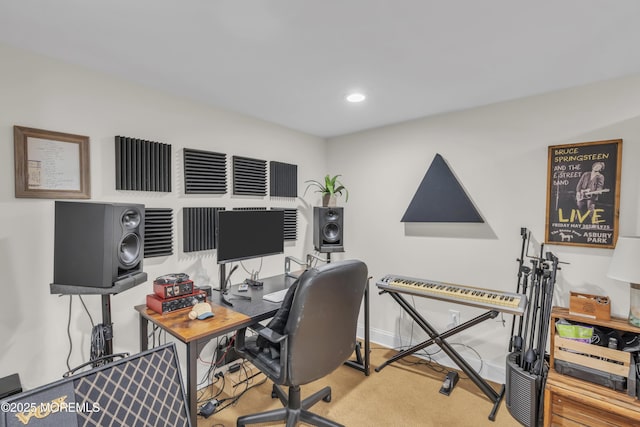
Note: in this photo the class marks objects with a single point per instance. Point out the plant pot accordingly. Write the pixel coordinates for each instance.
(329, 200)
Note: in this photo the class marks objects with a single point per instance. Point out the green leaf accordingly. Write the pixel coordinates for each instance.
(329, 186)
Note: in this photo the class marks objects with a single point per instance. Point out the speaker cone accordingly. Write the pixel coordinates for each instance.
(331, 232)
(131, 219)
(129, 249)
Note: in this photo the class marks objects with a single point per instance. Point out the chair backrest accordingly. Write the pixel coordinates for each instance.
(323, 319)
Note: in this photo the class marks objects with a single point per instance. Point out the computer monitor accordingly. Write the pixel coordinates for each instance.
(248, 234)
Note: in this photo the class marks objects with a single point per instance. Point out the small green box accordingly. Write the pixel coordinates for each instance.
(578, 332)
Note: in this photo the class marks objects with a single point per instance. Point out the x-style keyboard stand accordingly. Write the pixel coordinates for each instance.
(440, 340)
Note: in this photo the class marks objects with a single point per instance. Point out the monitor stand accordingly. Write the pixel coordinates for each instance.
(223, 285)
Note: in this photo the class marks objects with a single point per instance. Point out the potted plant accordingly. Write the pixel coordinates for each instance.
(330, 189)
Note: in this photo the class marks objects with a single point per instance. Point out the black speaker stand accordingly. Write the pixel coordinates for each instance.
(107, 326)
(105, 293)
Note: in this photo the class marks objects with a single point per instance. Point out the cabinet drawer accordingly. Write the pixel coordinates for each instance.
(568, 412)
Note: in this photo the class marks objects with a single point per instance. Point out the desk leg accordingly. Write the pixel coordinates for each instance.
(192, 381)
(359, 363)
(367, 332)
(144, 334)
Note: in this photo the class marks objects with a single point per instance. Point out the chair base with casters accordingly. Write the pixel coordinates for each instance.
(294, 410)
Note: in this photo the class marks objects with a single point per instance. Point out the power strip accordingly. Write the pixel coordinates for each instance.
(209, 408)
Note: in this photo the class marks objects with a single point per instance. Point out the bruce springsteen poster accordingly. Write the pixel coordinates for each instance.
(583, 194)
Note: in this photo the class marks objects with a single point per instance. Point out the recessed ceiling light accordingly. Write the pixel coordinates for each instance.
(356, 97)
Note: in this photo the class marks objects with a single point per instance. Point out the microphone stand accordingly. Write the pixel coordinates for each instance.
(516, 341)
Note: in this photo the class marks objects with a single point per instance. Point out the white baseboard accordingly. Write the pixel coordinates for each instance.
(490, 371)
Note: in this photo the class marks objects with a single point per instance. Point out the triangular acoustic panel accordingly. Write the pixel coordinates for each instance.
(441, 198)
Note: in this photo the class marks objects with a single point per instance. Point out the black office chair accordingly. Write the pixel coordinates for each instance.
(319, 335)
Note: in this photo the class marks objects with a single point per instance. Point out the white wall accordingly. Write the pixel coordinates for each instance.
(41, 93)
(499, 154)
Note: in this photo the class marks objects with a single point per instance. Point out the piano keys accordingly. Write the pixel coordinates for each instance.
(507, 302)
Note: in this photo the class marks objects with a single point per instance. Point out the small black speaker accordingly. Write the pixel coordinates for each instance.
(97, 244)
(328, 229)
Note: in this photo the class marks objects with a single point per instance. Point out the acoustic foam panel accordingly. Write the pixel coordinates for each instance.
(441, 198)
(290, 224)
(199, 226)
(142, 165)
(158, 232)
(249, 176)
(283, 179)
(205, 172)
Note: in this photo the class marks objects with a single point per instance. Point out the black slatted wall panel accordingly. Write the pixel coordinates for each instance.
(205, 172)
(158, 232)
(290, 224)
(249, 176)
(250, 209)
(142, 165)
(283, 179)
(198, 229)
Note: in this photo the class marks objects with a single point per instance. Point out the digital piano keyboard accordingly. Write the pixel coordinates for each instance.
(506, 302)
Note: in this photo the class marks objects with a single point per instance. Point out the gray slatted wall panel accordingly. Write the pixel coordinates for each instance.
(250, 209)
(205, 172)
(249, 176)
(283, 179)
(142, 165)
(158, 232)
(198, 229)
(290, 224)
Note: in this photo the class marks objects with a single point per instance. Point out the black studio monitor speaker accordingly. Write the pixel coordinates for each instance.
(97, 244)
(328, 223)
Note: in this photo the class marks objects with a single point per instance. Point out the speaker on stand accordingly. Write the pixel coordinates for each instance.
(328, 225)
(98, 250)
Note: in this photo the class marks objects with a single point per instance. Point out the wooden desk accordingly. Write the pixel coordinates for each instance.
(197, 333)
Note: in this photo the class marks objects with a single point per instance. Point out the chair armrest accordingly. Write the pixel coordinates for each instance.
(279, 376)
(269, 334)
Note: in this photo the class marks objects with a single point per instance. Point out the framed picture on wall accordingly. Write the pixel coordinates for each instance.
(583, 194)
(52, 165)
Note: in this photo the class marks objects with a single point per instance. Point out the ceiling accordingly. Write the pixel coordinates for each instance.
(291, 62)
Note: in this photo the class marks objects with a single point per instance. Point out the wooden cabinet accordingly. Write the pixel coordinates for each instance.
(570, 401)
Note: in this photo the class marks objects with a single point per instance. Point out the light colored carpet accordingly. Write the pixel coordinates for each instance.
(403, 394)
